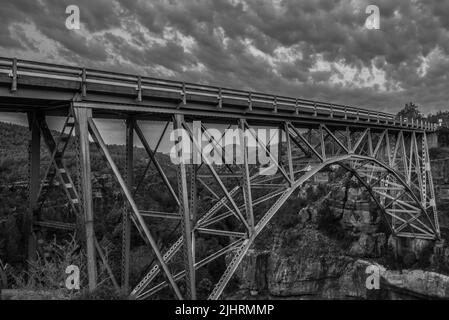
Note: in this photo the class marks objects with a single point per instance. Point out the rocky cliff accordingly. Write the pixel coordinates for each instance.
(326, 255)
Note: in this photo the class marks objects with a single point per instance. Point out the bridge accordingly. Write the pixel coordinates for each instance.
(388, 156)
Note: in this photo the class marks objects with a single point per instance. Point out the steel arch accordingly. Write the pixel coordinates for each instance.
(242, 250)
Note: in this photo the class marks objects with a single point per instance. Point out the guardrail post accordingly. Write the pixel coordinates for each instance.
(83, 83)
(14, 75)
(296, 107)
(184, 94)
(220, 103)
(139, 89)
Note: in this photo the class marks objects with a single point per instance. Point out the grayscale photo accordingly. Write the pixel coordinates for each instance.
(262, 153)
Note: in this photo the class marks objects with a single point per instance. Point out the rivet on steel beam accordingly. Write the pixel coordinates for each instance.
(83, 83)
(220, 103)
(275, 104)
(139, 89)
(14, 75)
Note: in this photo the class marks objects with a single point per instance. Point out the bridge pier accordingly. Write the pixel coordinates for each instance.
(186, 219)
(126, 222)
(82, 115)
(34, 185)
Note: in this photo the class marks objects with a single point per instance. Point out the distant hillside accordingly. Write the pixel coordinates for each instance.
(14, 141)
(13, 138)
(13, 151)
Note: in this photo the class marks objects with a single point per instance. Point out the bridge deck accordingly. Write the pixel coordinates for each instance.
(26, 85)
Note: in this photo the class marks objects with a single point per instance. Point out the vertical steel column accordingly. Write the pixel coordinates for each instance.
(418, 171)
(186, 221)
(34, 185)
(289, 153)
(126, 226)
(246, 182)
(348, 138)
(280, 129)
(82, 115)
(323, 142)
(428, 170)
(193, 206)
(370, 143)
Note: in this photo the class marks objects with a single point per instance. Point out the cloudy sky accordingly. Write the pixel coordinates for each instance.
(317, 49)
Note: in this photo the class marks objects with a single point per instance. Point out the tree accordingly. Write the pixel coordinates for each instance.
(443, 137)
(410, 111)
(440, 115)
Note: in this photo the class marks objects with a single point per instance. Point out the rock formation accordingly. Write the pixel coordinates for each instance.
(326, 255)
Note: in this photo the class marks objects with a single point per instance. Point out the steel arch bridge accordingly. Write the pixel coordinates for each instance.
(389, 156)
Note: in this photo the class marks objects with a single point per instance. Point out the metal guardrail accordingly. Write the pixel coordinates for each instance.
(16, 67)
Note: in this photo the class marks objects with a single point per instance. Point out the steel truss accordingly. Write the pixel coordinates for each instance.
(392, 165)
(388, 155)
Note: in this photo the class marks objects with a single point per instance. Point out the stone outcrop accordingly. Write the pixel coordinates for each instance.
(326, 255)
(276, 276)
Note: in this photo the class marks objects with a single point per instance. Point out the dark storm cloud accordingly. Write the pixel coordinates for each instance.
(285, 47)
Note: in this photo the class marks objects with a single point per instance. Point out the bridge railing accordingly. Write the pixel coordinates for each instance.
(15, 68)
